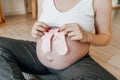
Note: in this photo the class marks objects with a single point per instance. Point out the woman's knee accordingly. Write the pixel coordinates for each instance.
(5, 46)
(4, 42)
(7, 43)
(5, 55)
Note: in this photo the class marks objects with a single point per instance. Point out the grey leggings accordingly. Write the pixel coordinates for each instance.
(17, 56)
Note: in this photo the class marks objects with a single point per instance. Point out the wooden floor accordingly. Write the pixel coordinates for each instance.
(19, 27)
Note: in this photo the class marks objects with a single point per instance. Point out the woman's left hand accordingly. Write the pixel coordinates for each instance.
(75, 32)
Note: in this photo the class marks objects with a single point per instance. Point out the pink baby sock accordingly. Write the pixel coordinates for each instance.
(59, 42)
(46, 42)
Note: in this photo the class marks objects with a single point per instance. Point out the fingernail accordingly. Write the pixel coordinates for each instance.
(59, 30)
(49, 28)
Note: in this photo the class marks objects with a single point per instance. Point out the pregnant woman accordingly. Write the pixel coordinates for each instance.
(64, 33)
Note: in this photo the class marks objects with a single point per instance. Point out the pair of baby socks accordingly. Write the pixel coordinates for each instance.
(56, 38)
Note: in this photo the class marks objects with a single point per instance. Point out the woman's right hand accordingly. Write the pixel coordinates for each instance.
(39, 28)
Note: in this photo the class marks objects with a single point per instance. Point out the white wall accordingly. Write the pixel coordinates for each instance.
(13, 7)
(114, 2)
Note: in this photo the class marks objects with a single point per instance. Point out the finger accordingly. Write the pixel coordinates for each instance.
(44, 25)
(40, 28)
(37, 33)
(67, 29)
(72, 25)
(71, 34)
(41, 24)
(63, 28)
(75, 38)
(37, 37)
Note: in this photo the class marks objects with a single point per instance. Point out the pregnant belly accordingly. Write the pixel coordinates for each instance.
(76, 51)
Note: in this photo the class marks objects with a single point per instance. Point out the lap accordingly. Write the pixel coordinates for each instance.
(24, 53)
(84, 69)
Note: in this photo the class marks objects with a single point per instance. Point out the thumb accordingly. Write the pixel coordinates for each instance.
(63, 28)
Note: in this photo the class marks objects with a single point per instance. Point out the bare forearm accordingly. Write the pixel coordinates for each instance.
(98, 39)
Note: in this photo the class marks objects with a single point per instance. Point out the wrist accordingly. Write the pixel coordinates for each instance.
(90, 37)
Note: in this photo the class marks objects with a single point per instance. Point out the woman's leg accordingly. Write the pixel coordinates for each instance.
(84, 69)
(17, 56)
